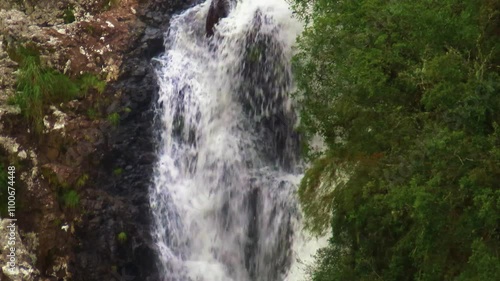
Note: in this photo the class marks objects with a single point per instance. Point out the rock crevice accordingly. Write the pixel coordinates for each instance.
(106, 160)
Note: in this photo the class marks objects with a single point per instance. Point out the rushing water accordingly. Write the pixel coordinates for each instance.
(224, 187)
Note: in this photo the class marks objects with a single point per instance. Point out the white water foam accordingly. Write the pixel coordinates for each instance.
(224, 205)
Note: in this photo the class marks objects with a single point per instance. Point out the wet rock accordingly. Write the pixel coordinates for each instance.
(117, 44)
(60, 173)
(264, 92)
(218, 9)
(117, 201)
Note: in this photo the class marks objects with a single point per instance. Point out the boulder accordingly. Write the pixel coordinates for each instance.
(265, 83)
(218, 9)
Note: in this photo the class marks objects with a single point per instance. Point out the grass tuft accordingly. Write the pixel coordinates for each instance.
(39, 86)
(71, 199)
(89, 81)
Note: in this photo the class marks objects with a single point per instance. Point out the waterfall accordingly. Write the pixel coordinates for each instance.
(223, 198)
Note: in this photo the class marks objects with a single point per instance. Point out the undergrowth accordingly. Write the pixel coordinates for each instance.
(39, 86)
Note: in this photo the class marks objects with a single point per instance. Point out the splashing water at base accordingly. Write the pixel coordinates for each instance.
(223, 197)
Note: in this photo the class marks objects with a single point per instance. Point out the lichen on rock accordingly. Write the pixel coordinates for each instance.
(113, 43)
(24, 269)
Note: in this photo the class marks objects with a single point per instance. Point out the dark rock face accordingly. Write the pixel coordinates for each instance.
(218, 9)
(263, 92)
(120, 203)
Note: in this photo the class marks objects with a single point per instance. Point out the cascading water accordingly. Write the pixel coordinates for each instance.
(223, 198)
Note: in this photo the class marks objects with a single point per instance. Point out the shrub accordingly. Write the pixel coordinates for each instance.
(405, 96)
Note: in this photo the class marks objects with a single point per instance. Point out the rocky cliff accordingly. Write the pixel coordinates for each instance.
(82, 180)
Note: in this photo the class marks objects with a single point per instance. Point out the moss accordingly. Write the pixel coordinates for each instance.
(117, 171)
(82, 180)
(52, 179)
(114, 119)
(89, 82)
(93, 114)
(71, 198)
(122, 237)
(69, 15)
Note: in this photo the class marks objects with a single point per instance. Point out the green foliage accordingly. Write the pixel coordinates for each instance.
(405, 95)
(38, 87)
(71, 198)
(69, 15)
(117, 171)
(122, 237)
(89, 81)
(82, 180)
(315, 194)
(93, 114)
(114, 119)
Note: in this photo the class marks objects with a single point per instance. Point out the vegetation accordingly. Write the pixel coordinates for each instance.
(117, 171)
(93, 113)
(89, 81)
(71, 198)
(114, 119)
(69, 15)
(406, 96)
(122, 237)
(39, 86)
(82, 180)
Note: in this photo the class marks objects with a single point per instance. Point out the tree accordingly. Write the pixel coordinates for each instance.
(406, 96)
